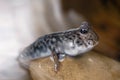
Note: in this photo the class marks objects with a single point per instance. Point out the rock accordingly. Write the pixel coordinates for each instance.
(90, 66)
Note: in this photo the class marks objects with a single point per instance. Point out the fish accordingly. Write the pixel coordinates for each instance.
(58, 45)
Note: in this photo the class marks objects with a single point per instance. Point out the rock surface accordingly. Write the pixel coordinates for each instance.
(91, 66)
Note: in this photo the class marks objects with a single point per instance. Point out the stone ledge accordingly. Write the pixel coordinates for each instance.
(91, 66)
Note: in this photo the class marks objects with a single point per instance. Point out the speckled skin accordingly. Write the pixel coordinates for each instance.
(57, 45)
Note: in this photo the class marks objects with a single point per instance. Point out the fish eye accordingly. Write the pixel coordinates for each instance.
(84, 30)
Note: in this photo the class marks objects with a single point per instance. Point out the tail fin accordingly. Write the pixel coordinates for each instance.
(24, 60)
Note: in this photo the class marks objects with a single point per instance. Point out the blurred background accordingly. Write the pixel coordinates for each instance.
(23, 21)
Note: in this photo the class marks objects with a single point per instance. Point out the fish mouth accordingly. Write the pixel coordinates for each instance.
(96, 43)
(91, 46)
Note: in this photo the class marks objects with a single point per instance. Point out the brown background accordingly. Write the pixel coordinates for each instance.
(104, 15)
